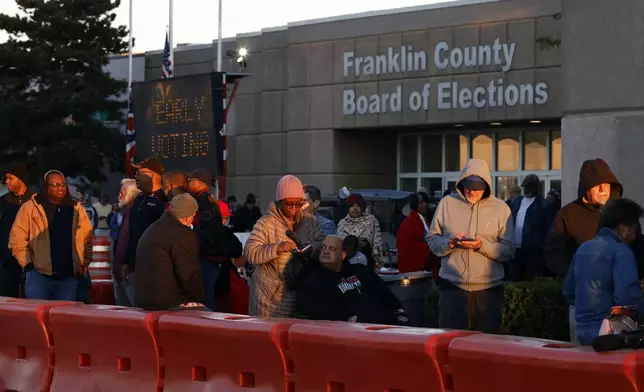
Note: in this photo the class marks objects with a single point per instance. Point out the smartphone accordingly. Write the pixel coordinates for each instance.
(302, 249)
(466, 239)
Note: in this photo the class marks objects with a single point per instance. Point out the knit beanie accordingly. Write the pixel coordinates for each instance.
(356, 198)
(289, 187)
(19, 170)
(183, 206)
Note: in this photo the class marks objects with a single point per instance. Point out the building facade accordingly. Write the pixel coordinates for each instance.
(401, 99)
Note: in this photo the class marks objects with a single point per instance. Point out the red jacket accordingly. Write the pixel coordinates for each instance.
(413, 250)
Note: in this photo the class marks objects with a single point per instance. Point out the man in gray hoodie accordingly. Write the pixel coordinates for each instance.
(472, 234)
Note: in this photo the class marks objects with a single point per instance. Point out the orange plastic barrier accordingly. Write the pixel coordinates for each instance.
(101, 265)
(105, 348)
(205, 351)
(102, 292)
(26, 344)
(491, 363)
(338, 357)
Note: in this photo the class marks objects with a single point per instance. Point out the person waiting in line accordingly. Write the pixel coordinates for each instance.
(472, 233)
(413, 250)
(103, 209)
(128, 193)
(232, 205)
(146, 209)
(554, 198)
(247, 215)
(208, 226)
(91, 212)
(577, 222)
(231, 289)
(269, 248)
(312, 198)
(168, 270)
(51, 238)
(335, 289)
(364, 226)
(514, 192)
(532, 217)
(175, 182)
(603, 272)
(16, 178)
(350, 246)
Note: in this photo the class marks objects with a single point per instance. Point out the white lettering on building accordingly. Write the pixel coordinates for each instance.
(449, 94)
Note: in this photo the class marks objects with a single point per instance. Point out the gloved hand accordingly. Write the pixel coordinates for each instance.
(401, 317)
(353, 319)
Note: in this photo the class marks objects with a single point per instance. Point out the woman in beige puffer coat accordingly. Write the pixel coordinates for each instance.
(269, 249)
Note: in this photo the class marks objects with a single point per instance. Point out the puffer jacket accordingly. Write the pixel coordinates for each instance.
(260, 250)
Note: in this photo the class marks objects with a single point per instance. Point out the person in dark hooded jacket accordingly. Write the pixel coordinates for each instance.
(578, 221)
(15, 178)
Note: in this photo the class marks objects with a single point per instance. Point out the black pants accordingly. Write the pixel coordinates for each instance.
(470, 310)
(10, 279)
(526, 265)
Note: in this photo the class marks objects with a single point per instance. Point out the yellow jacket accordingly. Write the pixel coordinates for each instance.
(29, 237)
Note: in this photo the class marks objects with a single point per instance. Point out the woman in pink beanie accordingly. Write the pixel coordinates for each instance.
(270, 244)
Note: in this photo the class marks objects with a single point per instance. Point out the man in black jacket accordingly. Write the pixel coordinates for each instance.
(168, 271)
(334, 289)
(532, 216)
(146, 209)
(210, 233)
(16, 177)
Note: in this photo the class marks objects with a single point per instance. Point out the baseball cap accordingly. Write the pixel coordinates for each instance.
(224, 209)
(475, 183)
(183, 206)
(151, 164)
(202, 175)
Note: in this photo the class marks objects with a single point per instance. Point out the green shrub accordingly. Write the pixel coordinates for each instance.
(533, 309)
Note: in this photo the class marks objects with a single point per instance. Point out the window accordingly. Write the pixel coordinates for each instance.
(507, 151)
(511, 154)
(482, 148)
(409, 154)
(503, 186)
(534, 150)
(434, 186)
(455, 152)
(432, 153)
(555, 150)
(408, 184)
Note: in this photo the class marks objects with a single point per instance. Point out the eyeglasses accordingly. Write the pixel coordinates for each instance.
(57, 185)
(298, 204)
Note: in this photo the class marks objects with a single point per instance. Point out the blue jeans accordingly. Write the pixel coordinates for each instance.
(82, 291)
(210, 273)
(40, 286)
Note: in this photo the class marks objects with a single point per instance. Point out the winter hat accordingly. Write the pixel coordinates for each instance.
(356, 198)
(289, 187)
(19, 170)
(202, 175)
(224, 209)
(151, 164)
(183, 206)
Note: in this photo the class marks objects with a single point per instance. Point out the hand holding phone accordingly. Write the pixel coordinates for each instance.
(470, 243)
(302, 249)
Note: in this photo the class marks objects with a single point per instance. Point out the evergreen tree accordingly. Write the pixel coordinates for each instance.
(52, 84)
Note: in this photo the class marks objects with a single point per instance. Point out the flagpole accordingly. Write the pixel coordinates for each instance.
(129, 55)
(219, 37)
(170, 34)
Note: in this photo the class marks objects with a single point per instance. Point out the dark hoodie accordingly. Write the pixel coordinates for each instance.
(578, 222)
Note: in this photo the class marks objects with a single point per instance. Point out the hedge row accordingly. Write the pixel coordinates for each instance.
(533, 309)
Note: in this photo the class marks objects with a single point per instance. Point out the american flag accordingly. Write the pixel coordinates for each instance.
(130, 146)
(166, 65)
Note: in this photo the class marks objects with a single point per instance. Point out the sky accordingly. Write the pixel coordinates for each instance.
(195, 21)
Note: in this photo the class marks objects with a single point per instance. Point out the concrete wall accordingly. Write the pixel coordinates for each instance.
(288, 117)
(603, 91)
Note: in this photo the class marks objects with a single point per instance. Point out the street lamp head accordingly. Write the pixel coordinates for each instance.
(242, 52)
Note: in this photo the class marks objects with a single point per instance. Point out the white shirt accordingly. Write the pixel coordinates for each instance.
(526, 202)
(422, 219)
